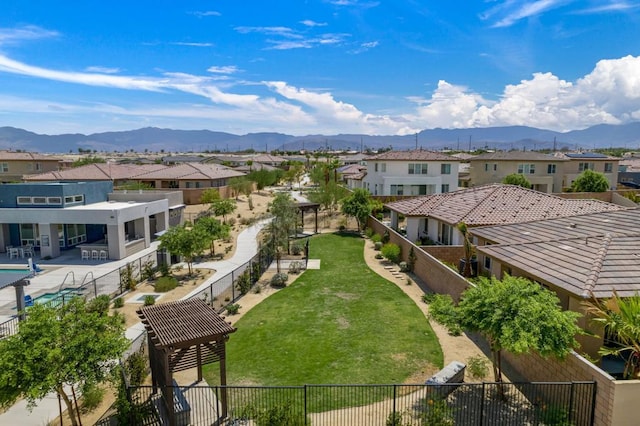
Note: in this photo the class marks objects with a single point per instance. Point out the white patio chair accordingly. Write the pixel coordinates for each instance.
(103, 255)
(84, 254)
(14, 252)
(94, 254)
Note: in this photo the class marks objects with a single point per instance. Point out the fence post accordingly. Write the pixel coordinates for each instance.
(481, 405)
(571, 413)
(233, 287)
(593, 402)
(395, 394)
(305, 405)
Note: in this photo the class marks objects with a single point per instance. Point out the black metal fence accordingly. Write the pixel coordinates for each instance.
(385, 405)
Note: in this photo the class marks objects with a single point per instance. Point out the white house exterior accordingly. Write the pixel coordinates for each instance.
(414, 172)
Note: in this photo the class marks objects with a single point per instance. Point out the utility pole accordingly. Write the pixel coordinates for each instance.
(416, 141)
(469, 143)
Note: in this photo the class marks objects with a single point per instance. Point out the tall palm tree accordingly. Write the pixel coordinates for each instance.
(621, 318)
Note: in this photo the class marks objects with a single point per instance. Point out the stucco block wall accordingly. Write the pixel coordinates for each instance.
(451, 254)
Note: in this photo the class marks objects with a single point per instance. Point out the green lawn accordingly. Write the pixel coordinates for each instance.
(340, 324)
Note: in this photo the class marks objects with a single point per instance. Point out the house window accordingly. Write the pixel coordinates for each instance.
(24, 200)
(397, 189)
(585, 166)
(39, 200)
(76, 233)
(383, 167)
(608, 167)
(4, 167)
(445, 188)
(527, 169)
(375, 167)
(38, 167)
(445, 169)
(54, 200)
(445, 234)
(551, 169)
(418, 190)
(29, 234)
(417, 169)
(487, 263)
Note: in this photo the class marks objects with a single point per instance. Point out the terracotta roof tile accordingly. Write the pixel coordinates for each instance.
(414, 155)
(192, 171)
(26, 156)
(516, 156)
(97, 171)
(497, 204)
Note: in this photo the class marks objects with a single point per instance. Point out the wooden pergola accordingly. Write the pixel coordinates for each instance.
(305, 207)
(182, 335)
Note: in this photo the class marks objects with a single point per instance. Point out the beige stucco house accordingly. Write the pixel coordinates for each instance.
(14, 165)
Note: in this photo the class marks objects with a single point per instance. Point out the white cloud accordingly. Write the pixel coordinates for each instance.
(311, 23)
(28, 32)
(512, 11)
(103, 70)
(202, 14)
(192, 44)
(613, 6)
(280, 31)
(226, 69)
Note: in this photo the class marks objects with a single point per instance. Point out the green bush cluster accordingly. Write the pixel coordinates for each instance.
(279, 280)
(118, 302)
(149, 300)
(233, 308)
(165, 284)
(391, 252)
(442, 310)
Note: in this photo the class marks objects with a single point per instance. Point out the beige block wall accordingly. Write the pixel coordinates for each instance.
(19, 168)
(451, 254)
(625, 403)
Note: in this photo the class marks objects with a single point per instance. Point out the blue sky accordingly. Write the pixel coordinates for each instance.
(318, 66)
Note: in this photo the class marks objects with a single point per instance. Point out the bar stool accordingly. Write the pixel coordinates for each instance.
(94, 254)
(84, 254)
(103, 255)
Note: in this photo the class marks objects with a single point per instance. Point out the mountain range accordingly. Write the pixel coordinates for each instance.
(154, 139)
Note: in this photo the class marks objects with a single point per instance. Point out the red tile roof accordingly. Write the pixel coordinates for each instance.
(415, 155)
(192, 171)
(26, 156)
(497, 204)
(97, 171)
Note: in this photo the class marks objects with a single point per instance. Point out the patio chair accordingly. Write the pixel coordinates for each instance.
(28, 300)
(84, 254)
(94, 254)
(28, 252)
(103, 255)
(14, 252)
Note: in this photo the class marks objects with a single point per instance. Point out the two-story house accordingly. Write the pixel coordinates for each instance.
(416, 172)
(581, 161)
(545, 172)
(14, 165)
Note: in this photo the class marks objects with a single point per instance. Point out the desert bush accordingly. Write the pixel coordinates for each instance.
(92, 396)
(99, 304)
(136, 368)
(385, 237)
(404, 267)
(376, 238)
(233, 308)
(391, 252)
(296, 248)
(164, 269)
(118, 302)
(149, 300)
(368, 232)
(295, 267)
(279, 280)
(243, 283)
(377, 246)
(231, 221)
(165, 284)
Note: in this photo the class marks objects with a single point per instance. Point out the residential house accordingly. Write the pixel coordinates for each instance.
(271, 160)
(545, 172)
(52, 217)
(118, 174)
(435, 218)
(581, 161)
(578, 257)
(14, 165)
(416, 172)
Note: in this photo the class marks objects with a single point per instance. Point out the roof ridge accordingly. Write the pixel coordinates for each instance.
(596, 267)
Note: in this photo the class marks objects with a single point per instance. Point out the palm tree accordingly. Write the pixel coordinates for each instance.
(620, 317)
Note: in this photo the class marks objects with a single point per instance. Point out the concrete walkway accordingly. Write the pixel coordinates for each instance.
(47, 408)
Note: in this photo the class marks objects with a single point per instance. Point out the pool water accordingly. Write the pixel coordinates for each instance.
(48, 297)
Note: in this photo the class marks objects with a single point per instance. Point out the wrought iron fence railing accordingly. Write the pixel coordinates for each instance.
(394, 404)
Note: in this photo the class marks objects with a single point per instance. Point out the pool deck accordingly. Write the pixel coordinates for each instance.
(54, 272)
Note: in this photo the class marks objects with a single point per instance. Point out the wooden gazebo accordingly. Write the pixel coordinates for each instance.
(305, 207)
(182, 335)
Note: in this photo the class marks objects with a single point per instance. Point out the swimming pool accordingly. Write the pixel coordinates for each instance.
(58, 297)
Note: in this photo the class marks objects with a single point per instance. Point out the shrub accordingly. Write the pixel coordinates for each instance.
(295, 267)
(296, 249)
(442, 310)
(379, 256)
(409, 282)
(99, 304)
(245, 221)
(231, 221)
(149, 300)
(92, 396)
(233, 308)
(368, 232)
(404, 267)
(163, 267)
(148, 270)
(380, 216)
(391, 252)
(243, 283)
(118, 302)
(376, 238)
(279, 280)
(385, 237)
(165, 284)
(136, 368)
(377, 246)
(477, 367)
(342, 228)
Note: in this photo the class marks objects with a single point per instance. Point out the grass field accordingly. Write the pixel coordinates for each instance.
(340, 324)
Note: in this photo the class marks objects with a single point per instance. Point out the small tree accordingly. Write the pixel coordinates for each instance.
(391, 252)
(214, 229)
(468, 248)
(517, 179)
(590, 181)
(241, 185)
(285, 218)
(358, 205)
(209, 196)
(70, 346)
(223, 208)
(516, 315)
(620, 317)
(187, 243)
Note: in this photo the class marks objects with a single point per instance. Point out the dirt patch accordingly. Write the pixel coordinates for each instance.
(343, 323)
